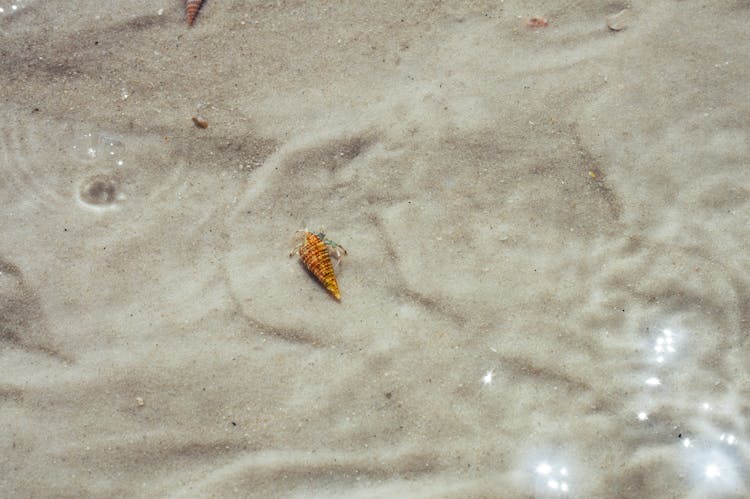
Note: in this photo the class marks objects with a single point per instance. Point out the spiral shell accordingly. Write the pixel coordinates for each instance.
(191, 10)
(314, 253)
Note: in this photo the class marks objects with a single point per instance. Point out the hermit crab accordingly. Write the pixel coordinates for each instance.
(316, 252)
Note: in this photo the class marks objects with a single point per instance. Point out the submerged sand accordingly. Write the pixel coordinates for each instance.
(547, 291)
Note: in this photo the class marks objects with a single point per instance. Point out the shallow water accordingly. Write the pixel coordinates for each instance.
(546, 292)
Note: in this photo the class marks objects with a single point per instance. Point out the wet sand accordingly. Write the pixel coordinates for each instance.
(547, 291)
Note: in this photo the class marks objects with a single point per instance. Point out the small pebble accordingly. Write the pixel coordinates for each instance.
(620, 21)
(536, 22)
(200, 122)
(139, 401)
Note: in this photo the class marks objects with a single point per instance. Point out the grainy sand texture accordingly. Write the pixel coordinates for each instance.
(547, 291)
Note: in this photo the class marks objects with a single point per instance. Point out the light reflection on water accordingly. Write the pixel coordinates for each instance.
(705, 451)
(707, 456)
(553, 478)
(7, 8)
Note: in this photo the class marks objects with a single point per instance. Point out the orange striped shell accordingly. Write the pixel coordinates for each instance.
(314, 252)
(191, 10)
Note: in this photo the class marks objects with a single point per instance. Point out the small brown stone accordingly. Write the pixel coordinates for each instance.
(200, 122)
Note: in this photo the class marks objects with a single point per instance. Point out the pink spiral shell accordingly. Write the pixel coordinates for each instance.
(191, 10)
